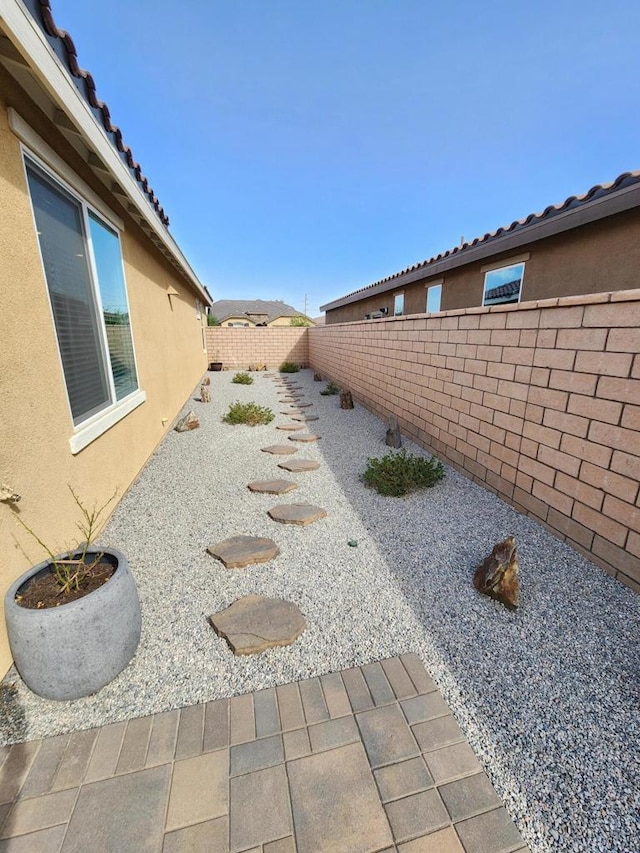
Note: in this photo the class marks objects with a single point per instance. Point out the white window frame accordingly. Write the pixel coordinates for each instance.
(429, 287)
(504, 266)
(396, 296)
(44, 158)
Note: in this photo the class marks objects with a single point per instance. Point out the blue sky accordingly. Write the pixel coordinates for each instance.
(312, 147)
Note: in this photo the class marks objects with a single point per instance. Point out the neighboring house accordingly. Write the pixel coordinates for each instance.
(587, 244)
(249, 313)
(102, 316)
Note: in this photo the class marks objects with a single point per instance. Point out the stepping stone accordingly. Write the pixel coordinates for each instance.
(289, 399)
(272, 487)
(279, 449)
(302, 514)
(255, 623)
(239, 551)
(290, 427)
(304, 418)
(307, 437)
(304, 405)
(299, 465)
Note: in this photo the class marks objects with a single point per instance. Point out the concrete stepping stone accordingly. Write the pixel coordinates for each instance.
(299, 465)
(306, 437)
(240, 551)
(255, 623)
(279, 449)
(302, 514)
(291, 399)
(304, 418)
(272, 487)
(290, 427)
(304, 405)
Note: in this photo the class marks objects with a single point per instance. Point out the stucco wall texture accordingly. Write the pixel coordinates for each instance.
(238, 349)
(604, 253)
(35, 456)
(539, 402)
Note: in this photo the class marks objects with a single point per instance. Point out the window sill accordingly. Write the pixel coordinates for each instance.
(86, 434)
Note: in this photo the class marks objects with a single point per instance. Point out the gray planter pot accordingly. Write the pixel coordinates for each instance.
(75, 649)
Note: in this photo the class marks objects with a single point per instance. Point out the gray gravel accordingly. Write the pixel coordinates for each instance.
(547, 696)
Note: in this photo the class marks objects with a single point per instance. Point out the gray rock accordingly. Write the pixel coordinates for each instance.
(255, 623)
(240, 551)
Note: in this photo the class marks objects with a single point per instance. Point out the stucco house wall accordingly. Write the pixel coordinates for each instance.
(168, 335)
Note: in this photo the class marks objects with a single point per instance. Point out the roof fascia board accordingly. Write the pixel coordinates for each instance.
(592, 211)
(56, 82)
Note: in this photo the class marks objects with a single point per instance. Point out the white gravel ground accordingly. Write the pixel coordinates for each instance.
(548, 696)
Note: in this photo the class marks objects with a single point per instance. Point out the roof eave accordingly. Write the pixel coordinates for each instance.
(592, 211)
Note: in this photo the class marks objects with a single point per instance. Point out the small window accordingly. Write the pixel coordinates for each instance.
(503, 286)
(434, 296)
(82, 263)
(398, 305)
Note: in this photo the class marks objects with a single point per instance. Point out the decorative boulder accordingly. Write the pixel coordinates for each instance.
(497, 575)
(393, 434)
(317, 377)
(206, 381)
(205, 394)
(346, 400)
(189, 421)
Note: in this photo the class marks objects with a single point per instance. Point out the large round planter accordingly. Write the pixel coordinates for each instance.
(74, 649)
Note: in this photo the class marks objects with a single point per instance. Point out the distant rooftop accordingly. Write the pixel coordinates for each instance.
(264, 308)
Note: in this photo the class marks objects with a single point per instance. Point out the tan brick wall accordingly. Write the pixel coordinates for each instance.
(539, 402)
(270, 345)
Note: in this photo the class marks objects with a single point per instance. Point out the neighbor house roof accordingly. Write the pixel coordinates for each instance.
(600, 201)
(225, 308)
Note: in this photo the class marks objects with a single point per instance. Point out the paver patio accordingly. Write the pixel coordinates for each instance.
(361, 761)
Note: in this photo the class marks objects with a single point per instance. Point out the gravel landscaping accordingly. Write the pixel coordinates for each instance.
(548, 696)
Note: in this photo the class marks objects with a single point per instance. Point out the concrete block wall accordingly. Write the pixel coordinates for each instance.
(539, 402)
(238, 348)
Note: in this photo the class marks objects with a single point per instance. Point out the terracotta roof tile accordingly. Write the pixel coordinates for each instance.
(70, 57)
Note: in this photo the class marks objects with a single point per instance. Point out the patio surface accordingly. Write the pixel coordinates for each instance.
(365, 760)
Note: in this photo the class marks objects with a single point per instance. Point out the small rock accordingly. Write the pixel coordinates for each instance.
(272, 487)
(189, 421)
(255, 623)
(205, 394)
(346, 400)
(206, 381)
(296, 513)
(240, 551)
(497, 575)
(352, 543)
(317, 377)
(393, 433)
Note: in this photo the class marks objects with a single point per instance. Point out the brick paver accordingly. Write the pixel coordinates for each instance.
(369, 760)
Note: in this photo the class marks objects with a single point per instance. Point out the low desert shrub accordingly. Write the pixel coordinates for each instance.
(248, 413)
(289, 367)
(400, 473)
(242, 379)
(331, 388)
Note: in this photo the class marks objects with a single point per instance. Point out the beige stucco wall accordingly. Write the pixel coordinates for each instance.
(35, 457)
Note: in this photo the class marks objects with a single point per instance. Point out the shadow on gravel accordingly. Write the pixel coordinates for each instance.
(547, 695)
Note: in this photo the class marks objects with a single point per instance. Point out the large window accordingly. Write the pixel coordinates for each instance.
(503, 285)
(83, 269)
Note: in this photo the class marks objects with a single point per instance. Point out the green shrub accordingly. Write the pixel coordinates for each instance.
(242, 379)
(212, 320)
(248, 413)
(300, 321)
(331, 388)
(400, 473)
(289, 367)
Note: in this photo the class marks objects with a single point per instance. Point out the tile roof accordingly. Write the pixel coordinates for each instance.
(574, 202)
(65, 50)
(224, 308)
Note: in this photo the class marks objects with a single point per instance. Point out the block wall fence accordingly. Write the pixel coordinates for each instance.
(538, 402)
(238, 348)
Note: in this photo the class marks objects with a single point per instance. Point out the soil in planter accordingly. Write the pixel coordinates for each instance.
(44, 590)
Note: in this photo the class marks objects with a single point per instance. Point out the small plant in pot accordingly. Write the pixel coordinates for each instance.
(74, 619)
